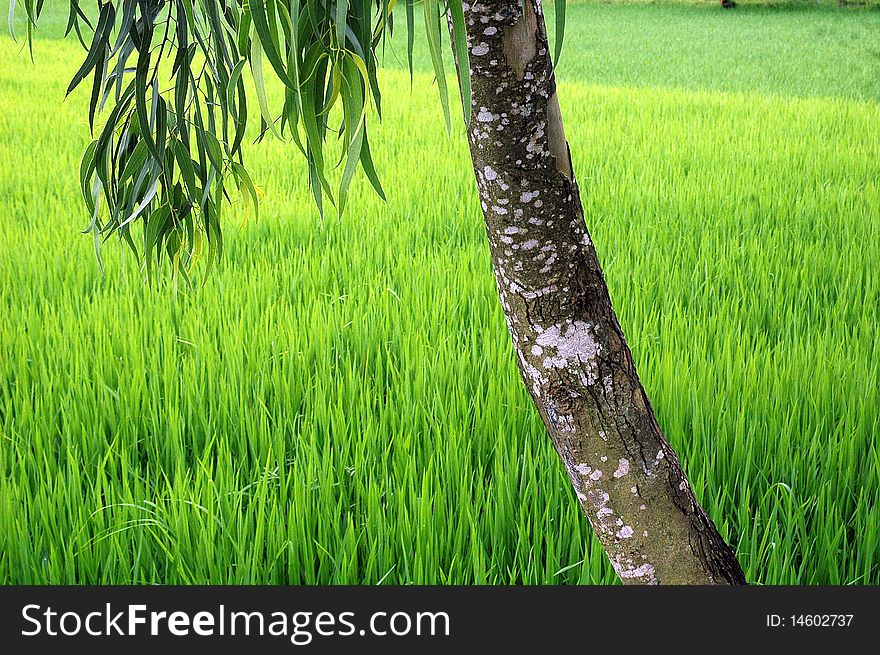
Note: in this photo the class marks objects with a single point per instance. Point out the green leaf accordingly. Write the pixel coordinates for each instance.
(559, 6)
(312, 103)
(140, 99)
(213, 148)
(270, 44)
(135, 163)
(459, 33)
(12, 20)
(244, 179)
(185, 164)
(156, 223)
(410, 35)
(241, 114)
(260, 85)
(148, 197)
(369, 168)
(432, 30)
(353, 104)
(86, 169)
(341, 22)
(99, 44)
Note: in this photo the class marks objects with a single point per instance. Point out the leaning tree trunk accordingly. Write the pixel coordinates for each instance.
(571, 351)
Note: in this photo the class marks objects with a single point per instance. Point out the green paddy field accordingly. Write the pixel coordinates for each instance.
(339, 402)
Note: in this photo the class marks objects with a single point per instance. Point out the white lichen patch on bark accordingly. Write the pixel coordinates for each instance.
(533, 374)
(480, 50)
(622, 467)
(572, 346)
(644, 572)
(538, 293)
(485, 116)
(566, 424)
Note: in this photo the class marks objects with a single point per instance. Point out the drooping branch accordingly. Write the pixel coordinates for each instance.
(167, 80)
(169, 77)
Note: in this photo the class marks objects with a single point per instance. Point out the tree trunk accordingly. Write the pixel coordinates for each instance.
(571, 351)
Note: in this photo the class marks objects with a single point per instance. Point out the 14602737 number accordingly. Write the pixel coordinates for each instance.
(809, 620)
(821, 620)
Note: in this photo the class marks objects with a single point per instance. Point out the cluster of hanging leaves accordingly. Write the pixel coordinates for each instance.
(167, 82)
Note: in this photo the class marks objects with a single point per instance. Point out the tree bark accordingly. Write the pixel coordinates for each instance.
(570, 348)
